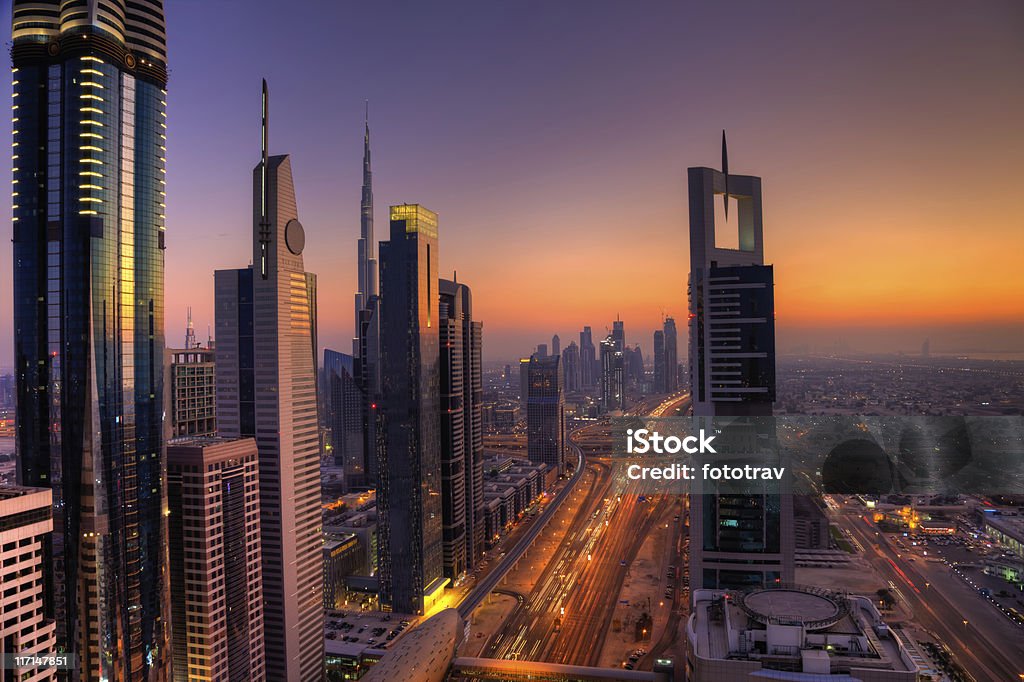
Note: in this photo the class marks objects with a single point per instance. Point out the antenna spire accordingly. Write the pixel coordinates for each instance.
(725, 172)
(264, 222)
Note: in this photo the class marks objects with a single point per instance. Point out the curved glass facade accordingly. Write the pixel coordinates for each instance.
(89, 164)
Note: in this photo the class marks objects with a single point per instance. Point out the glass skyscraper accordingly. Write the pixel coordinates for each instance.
(88, 154)
(741, 536)
(409, 415)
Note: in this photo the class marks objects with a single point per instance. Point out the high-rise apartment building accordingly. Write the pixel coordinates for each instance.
(266, 388)
(671, 355)
(659, 361)
(89, 148)
(193, 391)
(571, 368)
(740, 538)
(462, 470)
(556, 345)
(409, 510)
(545, 413)
(345, 417)
(213, 501)
(589, 367)
(25, 524)
(666, 358)
(612, 376)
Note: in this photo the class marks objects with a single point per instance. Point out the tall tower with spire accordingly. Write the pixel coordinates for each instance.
(190, 332)
(366, 258)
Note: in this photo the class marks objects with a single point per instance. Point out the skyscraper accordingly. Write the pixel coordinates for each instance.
(589, 369)
(660, 385)
(545, 413)
(89, 126)
(542, 350)
(666, 359)
(619, 335)
(365, 345)
(366, 260)
(192, 391)
(612, 375)
(739, 537)
(409, 421)
(266, 387)
(671, 355)
(556, 345)
(190, 332)
(26, 521)
(215, 559)
(571, 367)
(462, 470)
(345, 416)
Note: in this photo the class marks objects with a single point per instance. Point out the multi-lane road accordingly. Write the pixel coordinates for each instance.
(973, 647)
(567, 615)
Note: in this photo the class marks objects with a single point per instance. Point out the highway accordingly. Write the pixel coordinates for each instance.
(932, 609)
(568, 613)
(494, 576)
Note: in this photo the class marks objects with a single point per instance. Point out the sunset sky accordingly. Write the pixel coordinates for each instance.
(553, 139)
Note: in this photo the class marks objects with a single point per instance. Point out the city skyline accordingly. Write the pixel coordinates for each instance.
(541, 163)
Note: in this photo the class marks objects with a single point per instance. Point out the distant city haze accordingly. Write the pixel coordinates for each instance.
(553, 142)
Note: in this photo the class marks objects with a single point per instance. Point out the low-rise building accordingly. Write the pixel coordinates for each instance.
(794, 633)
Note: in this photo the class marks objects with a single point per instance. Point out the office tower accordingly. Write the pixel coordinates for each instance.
(545, 413)
(671, 355)
(26, 522)
(524, 383)
(619, 335)
(7, 384)
(345, 416)
(542, 350)
(462, 468)
(739, 538)
(612, 374)
(409, 419)
(88, 154)
(589, 368)
(660, 384)
(556, 345)
(266, 387)
(634, 359)
(215, 558)
(193, 391)
(571, 367)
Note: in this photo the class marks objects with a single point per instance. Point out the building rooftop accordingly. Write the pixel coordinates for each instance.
(352, 633)
(795, 629)
(424, 654)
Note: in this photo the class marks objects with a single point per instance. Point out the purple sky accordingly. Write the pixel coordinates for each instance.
(553, 138)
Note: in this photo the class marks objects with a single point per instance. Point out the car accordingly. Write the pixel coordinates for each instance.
(628, 666)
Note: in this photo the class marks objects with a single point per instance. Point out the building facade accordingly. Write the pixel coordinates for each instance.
(671, 355)
(411, 565)
(571, 368)
(462, 451)
(193, 391)
(89, 149)
(613, 376)
(26, 522)
(216, 560)
(739, 538)
(589, 369)
(345, 417)
(266, 388)
(545, 413)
